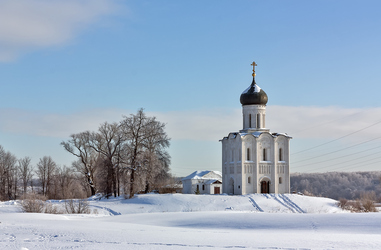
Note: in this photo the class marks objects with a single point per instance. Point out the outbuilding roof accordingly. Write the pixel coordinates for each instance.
(204, 175)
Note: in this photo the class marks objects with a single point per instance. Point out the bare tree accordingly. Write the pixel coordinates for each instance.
(2, 174)
(79, 145)
(8, 175)
(158, 159)
(144, 149)
(45, 170)
(132, 151)
(26, 172)
(65, 180)
(133, 128)
(108, 142)
(8, 179)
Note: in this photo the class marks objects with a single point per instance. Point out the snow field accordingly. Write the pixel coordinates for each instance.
(176, 221)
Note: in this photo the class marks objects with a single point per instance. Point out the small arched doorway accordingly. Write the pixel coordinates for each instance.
(265, 187)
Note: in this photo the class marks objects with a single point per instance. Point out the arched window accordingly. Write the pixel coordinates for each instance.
(249, 180)
(264, 154)
(249, 120)
(203, 187)
(248, 154)
(280, 180)
(280, 154)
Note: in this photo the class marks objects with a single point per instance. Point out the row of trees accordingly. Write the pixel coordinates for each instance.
(19, 176)
(125, 157)
(336, 185)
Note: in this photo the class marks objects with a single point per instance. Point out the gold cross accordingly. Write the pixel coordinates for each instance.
(253, 64)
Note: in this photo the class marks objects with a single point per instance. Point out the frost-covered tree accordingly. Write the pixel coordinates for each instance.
(336, 185)
(144, 149)
(130, 155)
(79, 146)
(107, 142)
(8, 175)
(25, 171)
(45, 171)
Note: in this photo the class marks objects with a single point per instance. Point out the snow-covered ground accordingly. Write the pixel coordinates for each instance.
(177, 221)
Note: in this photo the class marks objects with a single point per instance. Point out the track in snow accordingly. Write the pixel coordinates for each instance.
(255, 205)
(291, 203)
(112, 212)
(285, 204)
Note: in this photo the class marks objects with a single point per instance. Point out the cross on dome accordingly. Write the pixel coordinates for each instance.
(254, 64)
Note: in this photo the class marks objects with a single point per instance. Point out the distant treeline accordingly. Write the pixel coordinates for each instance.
(336, 185)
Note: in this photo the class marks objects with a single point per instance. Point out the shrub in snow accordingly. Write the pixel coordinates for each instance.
(33, 203)
(51, 209)
(365, 205)
(77, 207)
(369, 206)
(367, 201)
(343, 203)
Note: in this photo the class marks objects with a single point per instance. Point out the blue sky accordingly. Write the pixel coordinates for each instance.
(67, 66)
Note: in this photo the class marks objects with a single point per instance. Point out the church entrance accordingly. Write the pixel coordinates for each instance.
(265, 187)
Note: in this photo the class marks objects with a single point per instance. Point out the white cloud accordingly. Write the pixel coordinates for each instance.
(205, 125)
(54, 125)
(300, 122)
(31, 24)
(324, 122)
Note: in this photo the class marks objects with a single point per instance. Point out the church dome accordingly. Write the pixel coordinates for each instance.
(253, 95)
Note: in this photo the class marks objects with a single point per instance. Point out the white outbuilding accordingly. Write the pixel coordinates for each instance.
(203, 182)
(253, 159)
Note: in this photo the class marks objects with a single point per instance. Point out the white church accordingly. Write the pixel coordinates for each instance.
(253, 159)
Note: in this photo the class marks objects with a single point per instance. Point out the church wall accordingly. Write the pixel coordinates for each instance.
(253, 116)
(210, 188)
(187, 187)
(282, 164)
(265, 154)
(231, 167)
(249, 164)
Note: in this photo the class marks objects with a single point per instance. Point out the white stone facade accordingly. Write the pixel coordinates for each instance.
(253, 159)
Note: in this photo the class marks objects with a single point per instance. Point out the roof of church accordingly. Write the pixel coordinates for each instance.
(203, 175)
(253, 95)
(255, 134)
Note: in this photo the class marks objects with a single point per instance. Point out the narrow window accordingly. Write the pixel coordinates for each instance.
(249, 180)
(264, 121)
(203, 187)
(258, 121)
(264, 155)
(249, 120)
(280, 180)
(248, 154)
(198, 188)
(280, 154)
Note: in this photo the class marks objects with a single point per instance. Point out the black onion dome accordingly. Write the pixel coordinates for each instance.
(253, 95)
